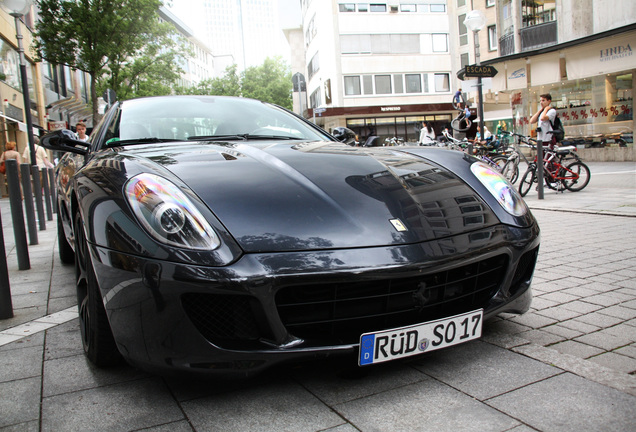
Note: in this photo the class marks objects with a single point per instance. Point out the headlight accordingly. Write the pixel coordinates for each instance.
(500, 188)
(167, 213)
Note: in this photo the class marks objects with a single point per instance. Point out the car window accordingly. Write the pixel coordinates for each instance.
(188, 117)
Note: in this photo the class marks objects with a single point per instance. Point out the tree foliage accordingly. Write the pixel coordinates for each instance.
(269, 82)
(119, 43)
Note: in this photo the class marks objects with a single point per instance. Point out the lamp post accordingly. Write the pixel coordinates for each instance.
(17, 9)
(475, 21)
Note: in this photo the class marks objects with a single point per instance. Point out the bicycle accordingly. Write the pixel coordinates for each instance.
(574, 176)
(510, 169)
(461, 123)
(492, 156)
(453, 143)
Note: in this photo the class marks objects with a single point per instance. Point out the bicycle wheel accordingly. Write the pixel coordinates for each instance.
(576, 176)
(510, 170)
(461, 124)
(500, 161)
(550, 181)
(528, 179)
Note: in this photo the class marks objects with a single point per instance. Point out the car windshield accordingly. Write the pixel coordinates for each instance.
(157, 119)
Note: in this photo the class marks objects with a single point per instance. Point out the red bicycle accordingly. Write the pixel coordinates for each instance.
(562, 169)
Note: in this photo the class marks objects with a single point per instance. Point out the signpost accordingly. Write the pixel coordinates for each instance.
(477, 71)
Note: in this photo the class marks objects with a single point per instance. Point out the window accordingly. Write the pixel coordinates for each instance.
(398, 85)
(413, 83)
(408, 8)
(463, 30)
(313, 66)
(464, 60)
(315, 99)
(380, 44)
(492, 37)
(367, 84)
(347, 7)
(352, 85)
(461, 3)
(363, 7)
(440, 43)
(383, 84)
(490, 3)
(442, 82)
(438, 8)
(378, 7)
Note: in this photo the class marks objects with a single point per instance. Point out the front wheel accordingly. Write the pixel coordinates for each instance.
(528, 179)
(510, 171)
(576, 176)
(97, 337)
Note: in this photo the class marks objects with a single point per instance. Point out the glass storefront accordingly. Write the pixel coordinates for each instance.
(595, 112)
(405, 127)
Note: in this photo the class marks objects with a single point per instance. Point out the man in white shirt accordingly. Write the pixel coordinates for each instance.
(545, 117)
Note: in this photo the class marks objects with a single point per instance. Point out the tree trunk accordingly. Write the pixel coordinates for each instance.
(94, 99)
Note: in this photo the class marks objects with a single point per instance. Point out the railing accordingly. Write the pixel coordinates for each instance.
(538, 36)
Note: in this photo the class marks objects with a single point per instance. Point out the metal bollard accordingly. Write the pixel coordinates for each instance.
(37, 185)
(47, 194)
(540, 168)
(6, 307)
(51, 174)
(25, 171)
(17, 215)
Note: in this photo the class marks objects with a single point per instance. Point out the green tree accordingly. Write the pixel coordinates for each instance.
(227, 85)
(100, 37)
(269, 82)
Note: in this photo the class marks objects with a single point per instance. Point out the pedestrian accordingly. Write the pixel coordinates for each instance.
(544, 117)
(80, 128)
(427, 134)
(41, 158)
(10, 153)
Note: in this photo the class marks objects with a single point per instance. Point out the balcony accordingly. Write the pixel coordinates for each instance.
(538, 36)
(507, 44)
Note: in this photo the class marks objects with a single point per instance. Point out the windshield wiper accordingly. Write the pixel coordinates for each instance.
(116, 142)
(243, 137)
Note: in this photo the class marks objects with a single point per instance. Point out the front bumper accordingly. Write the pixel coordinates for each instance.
(274, 307)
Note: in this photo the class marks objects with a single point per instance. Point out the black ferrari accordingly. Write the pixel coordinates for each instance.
(225, 235)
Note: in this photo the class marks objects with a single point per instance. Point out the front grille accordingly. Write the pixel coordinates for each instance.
(221, 317)
(341, 312)
(524, 270)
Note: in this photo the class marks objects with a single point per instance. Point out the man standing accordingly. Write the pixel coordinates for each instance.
(545, 116)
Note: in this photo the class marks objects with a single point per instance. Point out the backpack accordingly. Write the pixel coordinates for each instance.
(557, 128)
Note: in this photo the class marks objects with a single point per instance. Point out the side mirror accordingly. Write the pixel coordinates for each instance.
(64, 140)
(344, 135)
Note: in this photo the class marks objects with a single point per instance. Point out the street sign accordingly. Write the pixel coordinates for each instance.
(319, 110)
(475, 71)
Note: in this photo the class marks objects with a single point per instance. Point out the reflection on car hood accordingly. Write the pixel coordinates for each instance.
(317, 195)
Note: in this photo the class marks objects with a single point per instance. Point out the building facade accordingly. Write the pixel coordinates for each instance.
(379, 68)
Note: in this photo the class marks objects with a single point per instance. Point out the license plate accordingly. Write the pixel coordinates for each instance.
(407, 341)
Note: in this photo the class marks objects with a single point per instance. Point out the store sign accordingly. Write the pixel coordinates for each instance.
(390, 108)
(606, 56)
(475, 71)
(57, 125)
(616, 52)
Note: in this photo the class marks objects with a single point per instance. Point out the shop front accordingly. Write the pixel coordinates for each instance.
(591, 84)
(386, 122)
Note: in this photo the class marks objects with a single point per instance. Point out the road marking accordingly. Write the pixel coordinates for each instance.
(37, 325)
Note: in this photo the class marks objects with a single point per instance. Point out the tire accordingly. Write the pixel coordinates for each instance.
(510, 171)
(583, 179)
(97, 337)
(528, 179)
(457, 124)
(500, 161)
(65, 251)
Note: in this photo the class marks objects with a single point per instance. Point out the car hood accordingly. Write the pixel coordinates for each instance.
(323, 195)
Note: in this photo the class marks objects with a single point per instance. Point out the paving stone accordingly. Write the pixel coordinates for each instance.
(533, 320)
(275, 407)
(559, 313)
(393, 411)
(560, 403)
(20, 401)
(575, 324)
(581, 306)
(542, 337)
(607, 299)
(629, 351)
(616, 361)
(483, 370)
(599, 319)
(603, 340)
(560, 330)
(21, 363)
(619, 311)
(121, 407)
(577, 349)
(560, 297)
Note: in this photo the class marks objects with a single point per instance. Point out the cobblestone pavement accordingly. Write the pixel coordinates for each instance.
(568, 364)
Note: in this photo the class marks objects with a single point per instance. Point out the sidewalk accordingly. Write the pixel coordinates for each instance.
(568, 364)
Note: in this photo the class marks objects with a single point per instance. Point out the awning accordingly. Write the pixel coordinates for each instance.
(516, 74)
(545, 69)
(21, 126)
